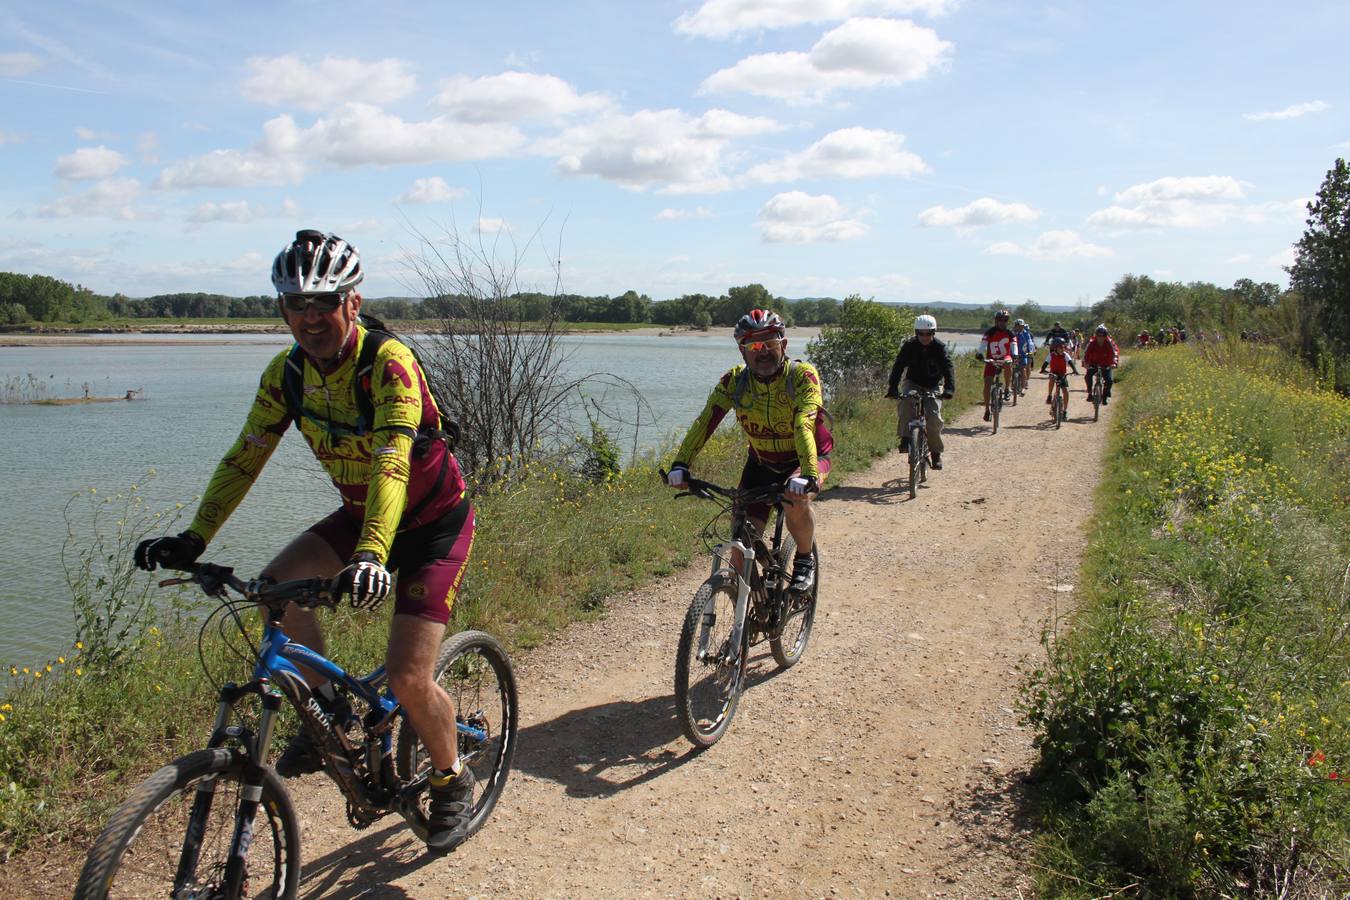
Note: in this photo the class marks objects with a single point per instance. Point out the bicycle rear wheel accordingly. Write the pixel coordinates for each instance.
(475, 671)
(799, 612)
(147, 848)
(708, 669)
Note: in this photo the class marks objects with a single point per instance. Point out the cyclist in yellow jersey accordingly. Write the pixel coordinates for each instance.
(778, 402)
(403, 506)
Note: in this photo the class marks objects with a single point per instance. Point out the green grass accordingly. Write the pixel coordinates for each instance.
(551, 548)
(1192, 718)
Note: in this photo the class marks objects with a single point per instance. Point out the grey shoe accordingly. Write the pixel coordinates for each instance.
(803, 574)
(450, 810)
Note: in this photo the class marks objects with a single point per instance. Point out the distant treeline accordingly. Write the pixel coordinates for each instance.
(41, 299)
(1134, 302)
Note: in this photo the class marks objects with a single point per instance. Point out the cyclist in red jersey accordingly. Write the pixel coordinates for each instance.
(1100, 357)
(998, 347)
(1059, 361)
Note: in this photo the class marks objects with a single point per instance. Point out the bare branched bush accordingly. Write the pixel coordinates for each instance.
(498, 360)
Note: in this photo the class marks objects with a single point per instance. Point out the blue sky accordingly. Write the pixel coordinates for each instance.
(899, 149)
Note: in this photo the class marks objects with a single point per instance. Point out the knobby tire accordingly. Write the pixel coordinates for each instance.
(916, 452)
(799, 611)
(707, 691)
(475, 671)
(138, 854)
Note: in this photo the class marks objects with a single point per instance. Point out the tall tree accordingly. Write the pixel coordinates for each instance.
(1321, 269)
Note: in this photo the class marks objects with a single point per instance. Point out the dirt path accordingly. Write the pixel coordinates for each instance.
(888, 763)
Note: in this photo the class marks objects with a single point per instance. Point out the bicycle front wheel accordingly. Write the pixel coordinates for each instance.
(915, 462)
(708, 669)
(799, 611)
(172, 836)
(996, 405)
(475, 671)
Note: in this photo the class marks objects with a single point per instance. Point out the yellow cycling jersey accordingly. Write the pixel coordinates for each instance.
(784, 419)
(377, 473)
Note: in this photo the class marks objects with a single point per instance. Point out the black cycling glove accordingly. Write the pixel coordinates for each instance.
(366, 580)
(177, 552)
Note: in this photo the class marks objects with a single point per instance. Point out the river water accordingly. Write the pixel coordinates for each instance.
(68, 461)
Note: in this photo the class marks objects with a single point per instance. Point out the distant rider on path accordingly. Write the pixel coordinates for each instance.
(997, 346)
(921, 365)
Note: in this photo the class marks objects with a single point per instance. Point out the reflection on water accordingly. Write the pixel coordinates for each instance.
(195, 392)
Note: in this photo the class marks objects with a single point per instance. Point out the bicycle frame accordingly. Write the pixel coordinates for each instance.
(742, 527)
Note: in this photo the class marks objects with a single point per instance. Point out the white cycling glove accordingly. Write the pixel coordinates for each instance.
(365, 580)
(678, 476)
(798, 485)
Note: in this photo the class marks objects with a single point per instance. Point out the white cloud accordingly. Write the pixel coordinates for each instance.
(238, 211)
(664, 149)
(847, 153)
(860, 53)
(430, 190)
(724, 18)
(1284, 258)
(357, 134)
(290, 207)
(799, 218)
(1172, 202)
(88, 163)
(1289, 112)
(112, 197)
(670, 214)
(9, 137)
(1051, 245)
(1205, 187)
(17, 65)
(516, 97)
(985, 211)
(489, 225)
(89, 134)
(1240, 258)
(333, 81)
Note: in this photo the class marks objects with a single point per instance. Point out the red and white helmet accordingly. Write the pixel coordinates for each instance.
(760, 324)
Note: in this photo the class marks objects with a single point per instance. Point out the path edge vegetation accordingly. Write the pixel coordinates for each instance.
(1192, 713)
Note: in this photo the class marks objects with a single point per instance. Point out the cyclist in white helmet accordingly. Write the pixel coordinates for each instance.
(922, 364)
(362, 402)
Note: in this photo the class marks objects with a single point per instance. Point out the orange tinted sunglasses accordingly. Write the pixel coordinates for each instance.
(756, 346)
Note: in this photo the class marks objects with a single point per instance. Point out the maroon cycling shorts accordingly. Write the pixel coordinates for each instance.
(429, 560)
(756, 474)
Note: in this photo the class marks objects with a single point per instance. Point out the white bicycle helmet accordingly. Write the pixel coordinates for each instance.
(317, 263)
(925, 323)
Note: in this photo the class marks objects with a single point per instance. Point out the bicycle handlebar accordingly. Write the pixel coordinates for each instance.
(709, 491)
(276, 596)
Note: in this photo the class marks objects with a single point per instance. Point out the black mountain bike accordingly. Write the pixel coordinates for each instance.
(218, 823)
(1096, 392)
(997, 395)
(917, 429)
(735, 610)
(1057, 411)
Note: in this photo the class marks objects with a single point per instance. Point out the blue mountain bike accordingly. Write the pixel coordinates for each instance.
(218, 823)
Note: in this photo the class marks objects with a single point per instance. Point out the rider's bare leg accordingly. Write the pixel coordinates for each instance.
(308, 556)
(410, 661)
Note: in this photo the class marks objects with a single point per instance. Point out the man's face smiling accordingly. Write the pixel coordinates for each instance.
(320, 334)
(764, 357)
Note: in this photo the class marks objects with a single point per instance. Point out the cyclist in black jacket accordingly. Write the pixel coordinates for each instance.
(923, 362)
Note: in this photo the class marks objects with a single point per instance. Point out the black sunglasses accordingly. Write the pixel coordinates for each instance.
(324, 303)
(925, 333)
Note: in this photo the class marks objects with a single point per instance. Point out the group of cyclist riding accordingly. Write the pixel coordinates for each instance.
(361, 400)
